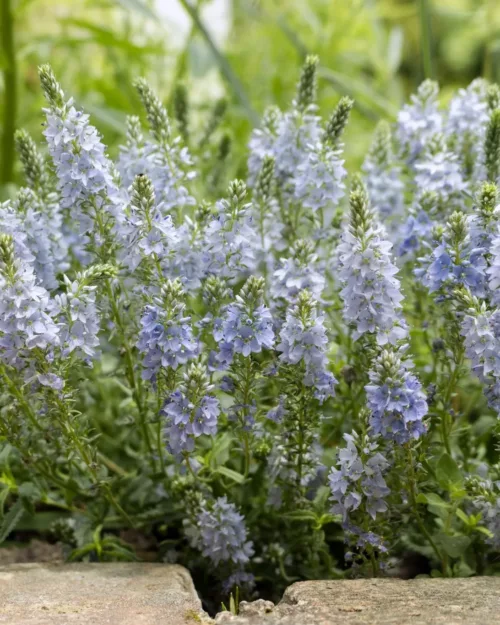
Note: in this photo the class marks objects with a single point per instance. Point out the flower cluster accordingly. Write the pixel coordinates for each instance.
(191, 350)
(370, 290)
(246, 326)
(383, 176)
(26, 322)
(221, 535)
(419, 121)
(395, 399)
(357, 480)
(454, 261)
(87, 181)
(190, 411)
(166, 338)
(304, 341)
(308, 159)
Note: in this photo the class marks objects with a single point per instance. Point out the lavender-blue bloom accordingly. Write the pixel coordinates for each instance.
(382, 176)
(26, 322)
(277, 413)
(165, 341)
(298, 273)
(466, 123)
(240, 579)
(42, 224)
(87, 181)
(262, 141)
(246, 326)
(396, 400)
(186, 420)
(319, 181)
(370, 289)
(296, 132)
(480, 328)
(148, 231)
(438, 170)
(231, 237)
(51, 380)
(419, 121)
(76, 311)
(454, 261)
(133, 160)
(358, 477)
(304, 340)
(220, 534)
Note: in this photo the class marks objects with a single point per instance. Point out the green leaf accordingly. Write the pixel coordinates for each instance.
(11, 519)
(432, 499)
(4, 493)
(448, 474)
(4, 454)
(462, 516)
(437, 506)
(300, 515)
(454, 546)
(232, 475)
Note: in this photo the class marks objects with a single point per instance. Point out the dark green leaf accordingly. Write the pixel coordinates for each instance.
(432, 499)
(11, 519)
(448, 474)
(300, 515)
(233, 475)
(454, 546)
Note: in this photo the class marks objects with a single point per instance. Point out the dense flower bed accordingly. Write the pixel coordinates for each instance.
(260, 378)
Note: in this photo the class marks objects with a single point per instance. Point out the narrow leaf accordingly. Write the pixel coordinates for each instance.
(232, 475)
(11, 520)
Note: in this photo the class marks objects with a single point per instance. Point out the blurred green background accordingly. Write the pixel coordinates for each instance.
(376, 51)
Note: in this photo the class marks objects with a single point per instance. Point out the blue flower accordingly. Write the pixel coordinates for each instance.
(186, 420)
(319, 178)
(277, 413)
(76, 311)
(304, 340)
(26, 321)
(419, 121)
(230, 238)
(438, 170)
(382, 175)
(396, 400)
(298, 273)
(87, 181)
(370, 289)
(165, 341)
(220, 534)
(246, 327)
(358, 477)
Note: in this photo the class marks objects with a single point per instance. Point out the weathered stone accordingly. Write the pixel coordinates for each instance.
(98, 594)
(468, 601)
(35, 551)
(247, 611)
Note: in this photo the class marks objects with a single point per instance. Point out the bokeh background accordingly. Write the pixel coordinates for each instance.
(376, 51)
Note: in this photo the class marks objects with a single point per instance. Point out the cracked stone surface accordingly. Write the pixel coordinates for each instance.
(471, 601)
(98, 594)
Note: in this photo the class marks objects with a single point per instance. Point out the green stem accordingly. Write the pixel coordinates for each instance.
(425, 38)
(19, 395)
(10, 94)
(135, 384)
(224, 65)
(414, 505)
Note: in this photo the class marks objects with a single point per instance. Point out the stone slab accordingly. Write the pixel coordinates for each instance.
(466, 601)
(98, 594)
